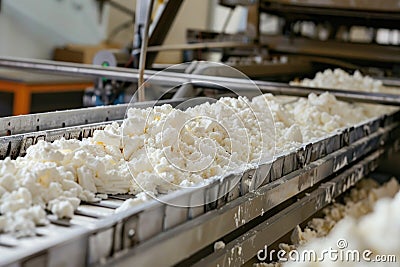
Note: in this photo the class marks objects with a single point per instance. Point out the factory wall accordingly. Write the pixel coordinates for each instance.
(33, 28)
(18, 40)
(193, 14)
(117, 18)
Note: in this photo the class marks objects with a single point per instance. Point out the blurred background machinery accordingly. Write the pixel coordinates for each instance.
(281, 40)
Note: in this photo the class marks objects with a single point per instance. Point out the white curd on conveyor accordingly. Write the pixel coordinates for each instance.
(362, 220)
(374, 236)
(161, 149)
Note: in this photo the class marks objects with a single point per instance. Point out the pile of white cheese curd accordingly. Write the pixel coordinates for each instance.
(364, 202)
(371, 236)
(340, 79)
(162, 149)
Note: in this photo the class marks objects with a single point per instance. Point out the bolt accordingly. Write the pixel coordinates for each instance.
(131, 233)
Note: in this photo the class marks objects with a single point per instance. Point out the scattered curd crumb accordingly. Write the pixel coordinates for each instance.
(219, 245)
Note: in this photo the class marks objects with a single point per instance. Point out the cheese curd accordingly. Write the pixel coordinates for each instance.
(377, 232)
(340, 79)
(359, 206)
(360, 202)
(129, 203)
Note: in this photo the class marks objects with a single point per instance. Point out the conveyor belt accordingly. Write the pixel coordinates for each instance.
(177, 233)
(76, 117)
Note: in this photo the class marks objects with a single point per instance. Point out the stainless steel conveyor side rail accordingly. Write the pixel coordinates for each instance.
(245, 247)
(174, 79)
(16, 145)
(60, 119)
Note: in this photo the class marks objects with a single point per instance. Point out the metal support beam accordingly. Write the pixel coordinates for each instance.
(161, 28)
(121, 8)
(202, 81)
(143, 51)
(253, 21)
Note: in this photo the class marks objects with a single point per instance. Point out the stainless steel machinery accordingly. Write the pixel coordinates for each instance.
(287, 54)
(310, 36)
(249, 210)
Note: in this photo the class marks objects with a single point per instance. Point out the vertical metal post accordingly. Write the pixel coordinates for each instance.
(253, 21)
(143, 52)
(162, 26)
(159, 31)
(140, 20)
